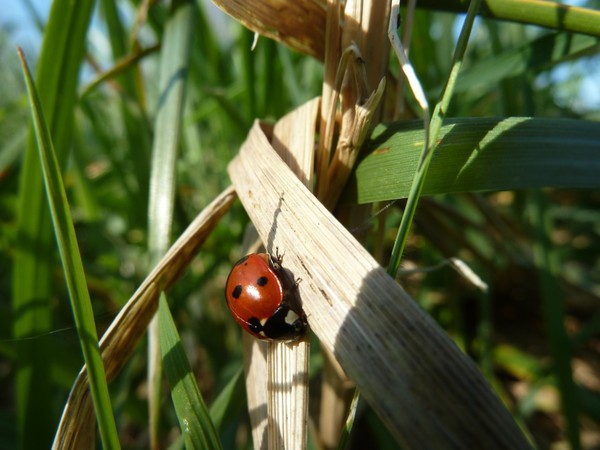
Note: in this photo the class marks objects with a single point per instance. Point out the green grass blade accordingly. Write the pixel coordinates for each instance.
(554, 312)
(539, 54)
(347, 429)
(249, 71)
(546, 14)
(481, 155)
(73, 269)
(58, 69)
(554, 15)
(433, 129)
(230, 399)
(131, 105)
(174, 66)
(195, 422)
(589, 400)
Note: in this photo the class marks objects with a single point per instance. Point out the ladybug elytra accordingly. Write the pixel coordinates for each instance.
(263, 298)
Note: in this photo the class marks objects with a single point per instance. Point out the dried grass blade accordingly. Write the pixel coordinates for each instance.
(293, 137)
(329, 93)
(299, 24)
(406, 367)
(255, 367)
(287, 395)
(294, 141)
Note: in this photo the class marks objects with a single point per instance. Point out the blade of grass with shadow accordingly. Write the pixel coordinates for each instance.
(230, 400)
(57, 73)
(132, 106)
(73, 269)
(540, 54)
(174, 67)
(548, 267)
(480, 154)
(432, 130)
(552, 15)
(196, 425)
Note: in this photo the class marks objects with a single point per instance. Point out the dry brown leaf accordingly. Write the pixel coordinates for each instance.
(428, 393)
(298, 24)
(287, 395)
(280, 400)
(294, 140)
(255, 367)
(357, 56)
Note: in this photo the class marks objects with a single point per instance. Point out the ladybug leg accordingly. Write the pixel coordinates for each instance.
(279, 256)
(276, 260)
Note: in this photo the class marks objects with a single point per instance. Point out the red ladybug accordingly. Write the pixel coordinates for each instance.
(263, 298)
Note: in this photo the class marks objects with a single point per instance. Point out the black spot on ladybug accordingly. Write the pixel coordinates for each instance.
(254, 325)
(262, 281)
(237, 291)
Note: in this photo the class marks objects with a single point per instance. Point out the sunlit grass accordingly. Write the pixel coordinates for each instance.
(104, 144)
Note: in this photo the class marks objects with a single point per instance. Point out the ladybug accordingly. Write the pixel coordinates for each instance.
(263, 298)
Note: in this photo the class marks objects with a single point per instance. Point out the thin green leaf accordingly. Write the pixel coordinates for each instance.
(518, 363)
(546, 14)
(347, 429)
(121, 67)
(58, 69)
(196, 425)
(134, 117)
(590, 402)
(230, 399)
(174, 66)
(481, 155)
(73, 269)
(432, 132)
(558, 16)
(539, 54)
(554, 312)
(249, 70)
(587, 331)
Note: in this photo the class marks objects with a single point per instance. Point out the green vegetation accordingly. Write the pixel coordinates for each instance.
(512, 191)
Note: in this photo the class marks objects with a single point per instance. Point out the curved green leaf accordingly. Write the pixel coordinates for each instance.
(539, 54)
(197, 427)
(174, 66)
(230, 400)
(57, 73)
(81, 303)
(555, 15)
(475, 154)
